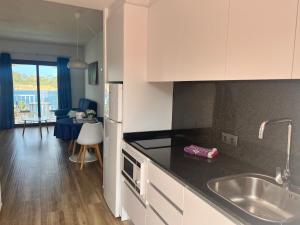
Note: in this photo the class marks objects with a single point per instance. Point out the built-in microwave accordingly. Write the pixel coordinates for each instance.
(133, 171)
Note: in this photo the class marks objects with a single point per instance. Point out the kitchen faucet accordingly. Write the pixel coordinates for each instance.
(280, 178)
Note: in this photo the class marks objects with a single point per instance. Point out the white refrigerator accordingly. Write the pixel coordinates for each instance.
(112, 147)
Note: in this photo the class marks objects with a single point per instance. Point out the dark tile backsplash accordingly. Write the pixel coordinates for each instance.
(238, 108)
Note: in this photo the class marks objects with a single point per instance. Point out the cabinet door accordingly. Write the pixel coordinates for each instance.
(170, 187)
(133, 206)
(261, 39)
(198, 212)
(164, 206)
(115, 44)
(153, 218)
(187, 40)
(163, 38)
(112, 165)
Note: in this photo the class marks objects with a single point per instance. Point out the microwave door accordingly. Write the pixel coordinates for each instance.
(128, 171)
(128, 168)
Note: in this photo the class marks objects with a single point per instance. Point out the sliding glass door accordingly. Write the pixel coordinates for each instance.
(48, 90)
(35, 90)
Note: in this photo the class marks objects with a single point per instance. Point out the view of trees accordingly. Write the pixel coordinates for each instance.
(25, 82)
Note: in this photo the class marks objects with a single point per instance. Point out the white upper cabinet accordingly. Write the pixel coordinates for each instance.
(163, 38)
(222, 40)
(187, 40)
(115, 44)
(261, 38)
(296, 65)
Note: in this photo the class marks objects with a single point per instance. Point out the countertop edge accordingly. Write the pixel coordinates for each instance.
(201, 196)
(238, 221)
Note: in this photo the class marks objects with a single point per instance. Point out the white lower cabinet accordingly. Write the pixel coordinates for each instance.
(169, 203)
(165, 198)
(166, 209)
(198, 212)
(171, 188)
(133, 206)
(153, 218)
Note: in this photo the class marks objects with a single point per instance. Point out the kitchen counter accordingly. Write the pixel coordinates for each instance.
(194, 172)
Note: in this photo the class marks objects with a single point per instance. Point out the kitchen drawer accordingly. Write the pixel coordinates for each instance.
(152, 218)
(133, 206)
(169, 212)
(166, 184)
(199, 212)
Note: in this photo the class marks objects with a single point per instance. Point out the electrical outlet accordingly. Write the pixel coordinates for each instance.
(229, 139)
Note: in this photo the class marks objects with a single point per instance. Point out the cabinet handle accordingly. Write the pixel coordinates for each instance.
(167, 198)
(158, 215)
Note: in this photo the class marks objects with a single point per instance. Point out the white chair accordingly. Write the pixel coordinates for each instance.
(90, 136)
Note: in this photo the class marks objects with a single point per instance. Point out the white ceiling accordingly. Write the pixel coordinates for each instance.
(41, 21)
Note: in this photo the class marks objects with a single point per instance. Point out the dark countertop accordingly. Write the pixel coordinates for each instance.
(195, 172)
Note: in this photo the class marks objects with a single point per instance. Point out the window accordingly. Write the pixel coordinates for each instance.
(35, 90)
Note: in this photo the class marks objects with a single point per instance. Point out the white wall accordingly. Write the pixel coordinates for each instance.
(47, 52)
(93, 52)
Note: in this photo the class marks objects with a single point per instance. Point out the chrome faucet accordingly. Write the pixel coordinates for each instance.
(280, 178)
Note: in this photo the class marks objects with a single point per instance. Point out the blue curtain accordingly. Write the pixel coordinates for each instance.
(64, 84)
(6, 93)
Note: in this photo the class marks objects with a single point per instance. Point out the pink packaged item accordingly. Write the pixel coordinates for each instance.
(200, 151)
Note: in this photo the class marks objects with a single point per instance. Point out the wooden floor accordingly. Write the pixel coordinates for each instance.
(40, 186)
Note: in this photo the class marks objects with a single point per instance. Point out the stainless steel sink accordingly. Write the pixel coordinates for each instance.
(259, 196)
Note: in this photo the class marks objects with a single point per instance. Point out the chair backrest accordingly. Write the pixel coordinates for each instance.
(81, 103)
(85, 104)
(90, 134)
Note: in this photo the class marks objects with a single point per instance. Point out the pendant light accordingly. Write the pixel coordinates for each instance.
(76, 62)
